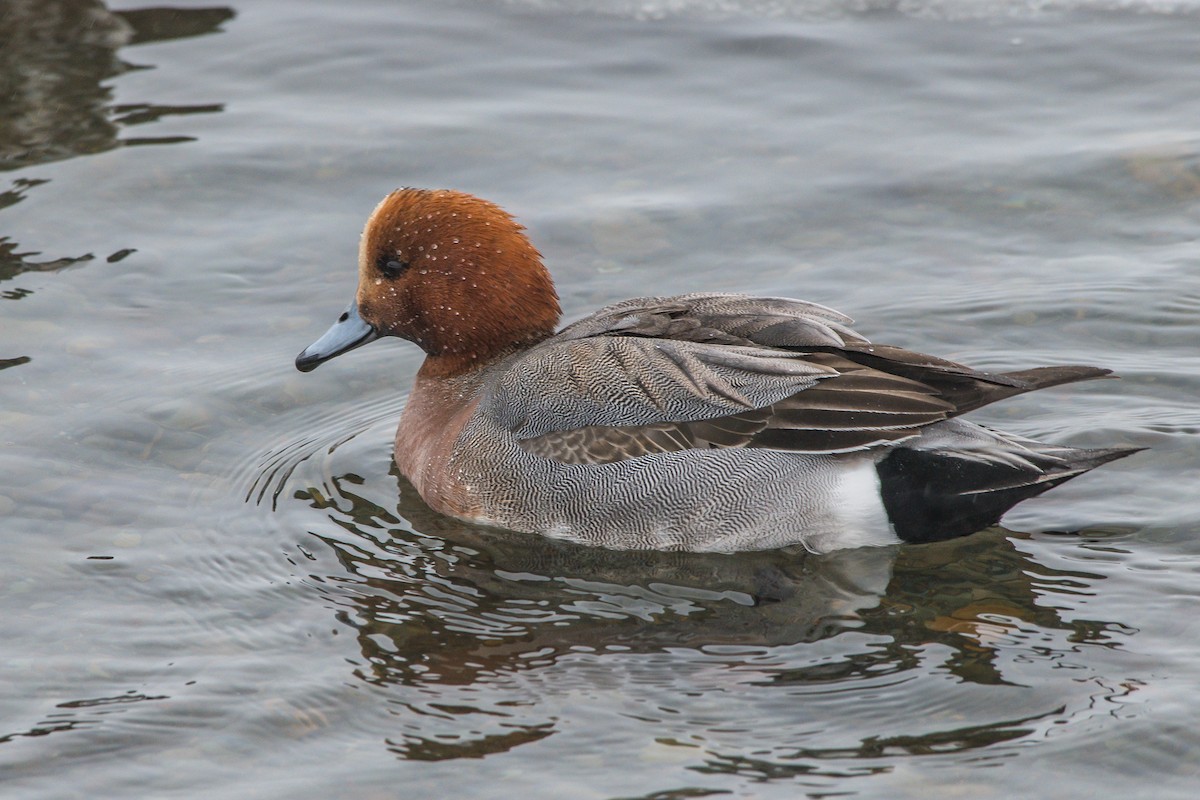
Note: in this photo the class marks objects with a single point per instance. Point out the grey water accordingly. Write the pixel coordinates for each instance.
(213, 583)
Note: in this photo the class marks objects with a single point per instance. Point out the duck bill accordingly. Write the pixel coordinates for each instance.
(349, 332)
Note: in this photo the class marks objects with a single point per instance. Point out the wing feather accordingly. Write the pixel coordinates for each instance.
(658, 375)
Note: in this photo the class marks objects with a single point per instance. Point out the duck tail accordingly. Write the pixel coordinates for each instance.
(931, 495)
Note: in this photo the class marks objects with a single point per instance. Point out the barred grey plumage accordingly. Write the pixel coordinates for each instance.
(703, 422)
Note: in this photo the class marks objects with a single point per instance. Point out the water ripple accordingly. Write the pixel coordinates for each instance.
(326, 430)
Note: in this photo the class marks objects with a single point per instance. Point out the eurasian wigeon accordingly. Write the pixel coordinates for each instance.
(705, 422)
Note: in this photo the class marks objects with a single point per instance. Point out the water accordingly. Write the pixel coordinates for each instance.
(215, 586)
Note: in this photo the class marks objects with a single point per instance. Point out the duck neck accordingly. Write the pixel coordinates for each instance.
(455, 363)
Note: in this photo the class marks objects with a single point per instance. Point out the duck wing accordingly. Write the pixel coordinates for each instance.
(699, 371)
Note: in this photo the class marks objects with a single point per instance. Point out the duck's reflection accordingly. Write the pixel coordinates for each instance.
(470, 620)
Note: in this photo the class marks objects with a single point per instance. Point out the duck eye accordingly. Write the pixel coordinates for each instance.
(391, 267)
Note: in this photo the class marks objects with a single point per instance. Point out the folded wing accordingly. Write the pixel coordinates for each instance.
(656, 375)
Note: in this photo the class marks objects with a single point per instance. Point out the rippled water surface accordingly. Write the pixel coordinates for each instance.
(215, 585)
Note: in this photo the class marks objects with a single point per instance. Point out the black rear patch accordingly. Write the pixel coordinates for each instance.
(930, 497)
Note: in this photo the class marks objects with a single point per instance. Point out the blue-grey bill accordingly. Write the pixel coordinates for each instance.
(344, 335)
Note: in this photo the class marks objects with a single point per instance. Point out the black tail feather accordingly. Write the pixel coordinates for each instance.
(930, 496)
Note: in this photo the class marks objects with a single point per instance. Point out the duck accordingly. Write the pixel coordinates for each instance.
(704, 422)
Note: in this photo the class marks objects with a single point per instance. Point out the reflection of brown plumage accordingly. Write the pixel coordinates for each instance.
(452, 611)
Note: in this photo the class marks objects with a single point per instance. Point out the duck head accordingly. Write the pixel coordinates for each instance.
(450, 272)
